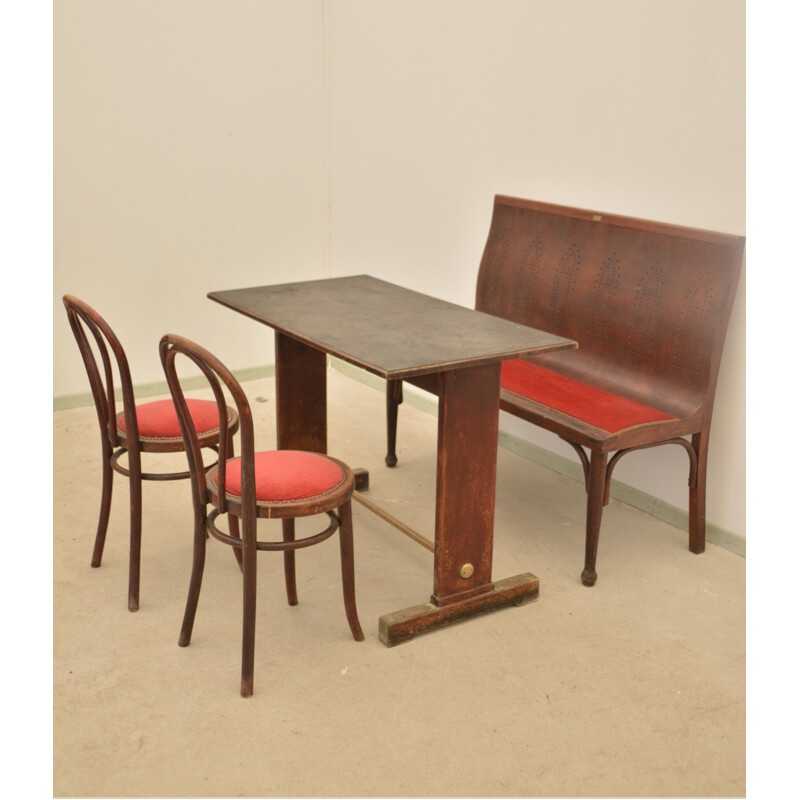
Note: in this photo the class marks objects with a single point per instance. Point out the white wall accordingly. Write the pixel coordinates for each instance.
(189, 155)
(633, 107)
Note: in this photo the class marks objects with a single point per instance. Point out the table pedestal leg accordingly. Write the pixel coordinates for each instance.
(465, 489)
(301, 390)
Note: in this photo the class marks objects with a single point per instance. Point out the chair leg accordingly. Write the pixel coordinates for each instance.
(394, 396)
(594, 512)
(233, 520)
(135, 468)
(288, 563)
(348, 570)
(198, 563)
(697, 495)
(249, 553)
(233, 530)
(105, 506)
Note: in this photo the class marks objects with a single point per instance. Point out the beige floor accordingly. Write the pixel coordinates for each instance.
(633, 688)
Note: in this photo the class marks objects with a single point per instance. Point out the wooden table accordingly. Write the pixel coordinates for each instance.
(447, 349)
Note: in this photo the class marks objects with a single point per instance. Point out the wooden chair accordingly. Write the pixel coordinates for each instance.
(278, 484)
(146, 428)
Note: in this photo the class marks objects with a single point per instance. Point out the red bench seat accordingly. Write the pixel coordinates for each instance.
(604, 410)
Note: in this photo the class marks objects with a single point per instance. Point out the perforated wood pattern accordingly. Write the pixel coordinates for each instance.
(647, 302)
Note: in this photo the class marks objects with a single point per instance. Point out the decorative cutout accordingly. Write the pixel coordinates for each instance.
(525, 286)
(561, 303)
(649, 297)
(603, 298)
(686, 353)
(494, 266)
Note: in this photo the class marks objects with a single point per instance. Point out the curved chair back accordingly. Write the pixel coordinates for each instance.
(214, 370)
(82, 319)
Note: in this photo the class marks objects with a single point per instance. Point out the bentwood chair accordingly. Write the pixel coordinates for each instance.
(277, 484)
(145, 428)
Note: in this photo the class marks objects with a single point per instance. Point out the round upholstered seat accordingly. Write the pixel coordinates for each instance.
(284, 476)
(158, 422)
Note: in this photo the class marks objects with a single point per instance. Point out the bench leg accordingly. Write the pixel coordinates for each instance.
(697, 495)
(594, 512)
(394, 396)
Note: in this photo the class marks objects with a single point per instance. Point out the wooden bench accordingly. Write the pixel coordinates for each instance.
(648, 304)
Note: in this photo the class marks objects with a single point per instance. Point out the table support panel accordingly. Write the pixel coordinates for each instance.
(301, 391)
(465, 482)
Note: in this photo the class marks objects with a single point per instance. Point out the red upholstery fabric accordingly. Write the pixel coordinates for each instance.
(159, 420)
(604, 410)
(286, 475)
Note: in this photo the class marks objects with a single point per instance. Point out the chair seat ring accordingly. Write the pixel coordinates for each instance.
(295, 544)
(151, 476)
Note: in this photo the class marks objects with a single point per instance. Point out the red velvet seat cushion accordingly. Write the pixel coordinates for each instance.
(603, 410)
(283, 475)
(159, 420)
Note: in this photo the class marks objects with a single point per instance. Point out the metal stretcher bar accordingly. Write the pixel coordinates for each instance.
(401, 526)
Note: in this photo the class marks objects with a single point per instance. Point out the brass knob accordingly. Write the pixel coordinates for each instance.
(466, 570)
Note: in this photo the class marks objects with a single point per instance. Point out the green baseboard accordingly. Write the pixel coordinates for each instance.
(65, 402)
(672, 515)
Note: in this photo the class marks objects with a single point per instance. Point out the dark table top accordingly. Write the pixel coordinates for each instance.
(386, 329)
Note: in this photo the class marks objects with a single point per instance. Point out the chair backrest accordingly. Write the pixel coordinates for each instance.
(647, 302)
(83, 317)
(214, 370)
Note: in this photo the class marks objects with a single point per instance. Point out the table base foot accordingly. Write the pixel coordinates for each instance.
(401, 626)
(362, 479)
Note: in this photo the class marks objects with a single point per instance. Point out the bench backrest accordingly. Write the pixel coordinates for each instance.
(647, 302)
